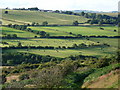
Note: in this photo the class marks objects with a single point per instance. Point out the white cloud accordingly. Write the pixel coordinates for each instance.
(101, 5)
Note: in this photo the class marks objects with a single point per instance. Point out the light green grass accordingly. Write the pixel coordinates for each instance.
(89, 31)
(19, 33)
(67, 52)
(39, 17)
(48, 42)
(110, 14)
(111, 41)
(51, 32)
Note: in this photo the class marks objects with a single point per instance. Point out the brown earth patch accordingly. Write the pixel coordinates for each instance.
(104, 81)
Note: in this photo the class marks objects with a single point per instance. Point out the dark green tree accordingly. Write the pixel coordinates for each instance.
(47, 35)
(33, 23)
(9, 25)
(45, 23)
(19, 44)
(8, 36)
(6, 12)
(14, 35)
(79, 35)
(75, 23)
(82, 13)
(57, 11)
(75, 45)
(42, 33)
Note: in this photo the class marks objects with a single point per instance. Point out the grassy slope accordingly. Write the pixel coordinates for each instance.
(93, 30)
(67, 52)
(106, 77)
(51, 32)
(65, 42)
(111, 14)
(39, 17)
(111, 41)
(19, 33)
(107, 82)
(48, 42)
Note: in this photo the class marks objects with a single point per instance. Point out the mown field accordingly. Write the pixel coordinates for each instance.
(22, 17)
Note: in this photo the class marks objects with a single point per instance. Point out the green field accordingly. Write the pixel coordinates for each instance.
(110, 14)
(58, 55)
(48, 42)
(52, 32)
(29, 40)
(23, 17)
(89, 31)
(19, 33)
(113, 42)
(97, 52)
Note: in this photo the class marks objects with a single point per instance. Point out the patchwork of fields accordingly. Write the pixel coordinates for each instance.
(59, 54)
(27, 39)
(94, 46)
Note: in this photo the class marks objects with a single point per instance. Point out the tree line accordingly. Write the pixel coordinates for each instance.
(74, 46)
(24, 28)
(94, 18)
(13, 59)
(9, 36)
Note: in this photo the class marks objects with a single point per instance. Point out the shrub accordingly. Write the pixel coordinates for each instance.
(23, 77)
(3, 78)
(34, 75)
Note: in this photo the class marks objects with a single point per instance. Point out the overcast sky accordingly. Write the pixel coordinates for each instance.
(96, 5)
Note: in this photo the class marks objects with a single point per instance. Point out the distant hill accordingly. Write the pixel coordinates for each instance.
(111, 13)
(90, 11)
(114, 11)
(22, 17)
(86, 11)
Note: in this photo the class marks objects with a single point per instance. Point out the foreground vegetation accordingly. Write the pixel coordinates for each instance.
(63, 73)
(59, 50)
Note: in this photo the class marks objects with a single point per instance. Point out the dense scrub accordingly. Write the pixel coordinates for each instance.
(65, 74)
(25, 58)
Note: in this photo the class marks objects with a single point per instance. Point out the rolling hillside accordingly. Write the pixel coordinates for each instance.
(57, 55)
(23, 17)
(89, 31)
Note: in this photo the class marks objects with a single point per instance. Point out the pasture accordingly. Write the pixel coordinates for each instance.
(93, 51)
(48, 42)
(19, 33)
(89, 31)
(97, 52)
(58, 52)
(27, 39)
(24, 17)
